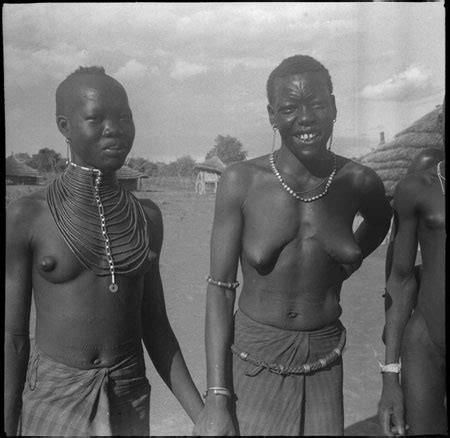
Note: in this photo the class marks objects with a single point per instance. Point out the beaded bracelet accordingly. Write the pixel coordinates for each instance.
(223, 284)
(218, 390)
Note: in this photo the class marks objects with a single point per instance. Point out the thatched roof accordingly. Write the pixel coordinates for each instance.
(126, 172)
(391, 160)
(15, 168)
(213, 164)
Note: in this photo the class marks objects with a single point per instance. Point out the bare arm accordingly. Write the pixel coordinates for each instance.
(375, 210)
(18, 292)
(158, 336)
(225, 251)
(400, 296)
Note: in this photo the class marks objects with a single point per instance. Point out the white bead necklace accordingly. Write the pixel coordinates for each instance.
(441, 177)
(295, 194)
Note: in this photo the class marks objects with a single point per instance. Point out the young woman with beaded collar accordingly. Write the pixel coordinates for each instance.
(89, 250)
(415, 321)
(287, 217)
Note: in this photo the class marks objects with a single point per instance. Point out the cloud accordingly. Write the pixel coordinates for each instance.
(132, 71)
(182, 70)
(412, 84)
(29, 67)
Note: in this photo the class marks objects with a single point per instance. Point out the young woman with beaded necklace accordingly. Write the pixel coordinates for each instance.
(89, 251)
(287, 217)
(415, 321)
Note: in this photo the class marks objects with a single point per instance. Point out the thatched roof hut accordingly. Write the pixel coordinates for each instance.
(391, 160)
(208, 173)
(130, 178)
(211, 165)
(19, 173)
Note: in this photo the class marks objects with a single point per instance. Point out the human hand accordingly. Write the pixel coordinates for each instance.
(214, 420)
(391, 412)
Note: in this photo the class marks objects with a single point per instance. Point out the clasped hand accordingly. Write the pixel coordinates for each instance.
(391, 412)
(214, 420)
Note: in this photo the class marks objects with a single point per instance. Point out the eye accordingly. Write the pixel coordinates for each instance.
(287, 109)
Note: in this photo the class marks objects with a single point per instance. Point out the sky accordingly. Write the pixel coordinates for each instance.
(194, 71)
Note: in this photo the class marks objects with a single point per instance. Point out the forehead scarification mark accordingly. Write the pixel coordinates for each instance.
(306, 86)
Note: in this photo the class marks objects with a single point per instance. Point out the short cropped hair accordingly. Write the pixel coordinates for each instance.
(65, 87)
(294, 65)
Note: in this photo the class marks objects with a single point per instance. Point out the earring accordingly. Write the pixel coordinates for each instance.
(331, 136)
(275, 129)
(68, 160)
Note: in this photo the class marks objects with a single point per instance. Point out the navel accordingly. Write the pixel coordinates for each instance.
(292, 315)
(48, 264)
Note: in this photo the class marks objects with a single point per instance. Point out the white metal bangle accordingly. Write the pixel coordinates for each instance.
(390, 368)
(218, 390)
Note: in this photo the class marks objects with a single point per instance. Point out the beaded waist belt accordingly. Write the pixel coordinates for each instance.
(305, 368)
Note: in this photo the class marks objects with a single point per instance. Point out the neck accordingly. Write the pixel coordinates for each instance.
(318, 165)
(76, 175)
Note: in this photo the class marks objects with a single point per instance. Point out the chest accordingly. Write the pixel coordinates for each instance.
(54, 260)
(276, 223)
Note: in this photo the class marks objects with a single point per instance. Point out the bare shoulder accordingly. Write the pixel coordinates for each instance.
(426, 159)
(151, 210)
(239, 178)
(362, 177)
(26, 210)
(243, 173)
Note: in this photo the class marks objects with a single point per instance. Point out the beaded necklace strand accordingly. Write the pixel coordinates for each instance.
(103, 225)
(441, 177)
(327, 181)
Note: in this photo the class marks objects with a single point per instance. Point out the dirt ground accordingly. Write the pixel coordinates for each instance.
(184, 265)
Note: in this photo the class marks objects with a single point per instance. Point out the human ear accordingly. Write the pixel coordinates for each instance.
(333, 106)
(63, 125)
(271, 113)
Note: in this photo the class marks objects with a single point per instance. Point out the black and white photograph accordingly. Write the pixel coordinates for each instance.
(225, 219)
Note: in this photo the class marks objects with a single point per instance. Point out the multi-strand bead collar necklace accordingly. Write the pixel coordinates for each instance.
(327, 182)
(102, 223)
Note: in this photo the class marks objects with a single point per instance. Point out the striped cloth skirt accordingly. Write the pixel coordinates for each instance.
(268, 403)
(59, 400)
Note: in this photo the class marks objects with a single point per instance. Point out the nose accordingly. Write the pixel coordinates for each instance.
(112, 128)
(305, 115)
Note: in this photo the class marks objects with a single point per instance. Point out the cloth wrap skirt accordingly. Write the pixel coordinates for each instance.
(67, 401)
(292, 405)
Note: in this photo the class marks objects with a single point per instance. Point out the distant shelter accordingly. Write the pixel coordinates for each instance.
(130, 179)
(208, 173)
(17, 173)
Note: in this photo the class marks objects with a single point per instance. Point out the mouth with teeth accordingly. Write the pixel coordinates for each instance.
(307, 137)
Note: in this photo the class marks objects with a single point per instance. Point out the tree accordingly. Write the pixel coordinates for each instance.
(228, 149)
(183, 166)
(22, 157)
(45, 160)
(143, 165)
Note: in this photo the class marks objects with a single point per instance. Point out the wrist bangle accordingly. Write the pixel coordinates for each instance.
(390, 368)
(218, 390)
